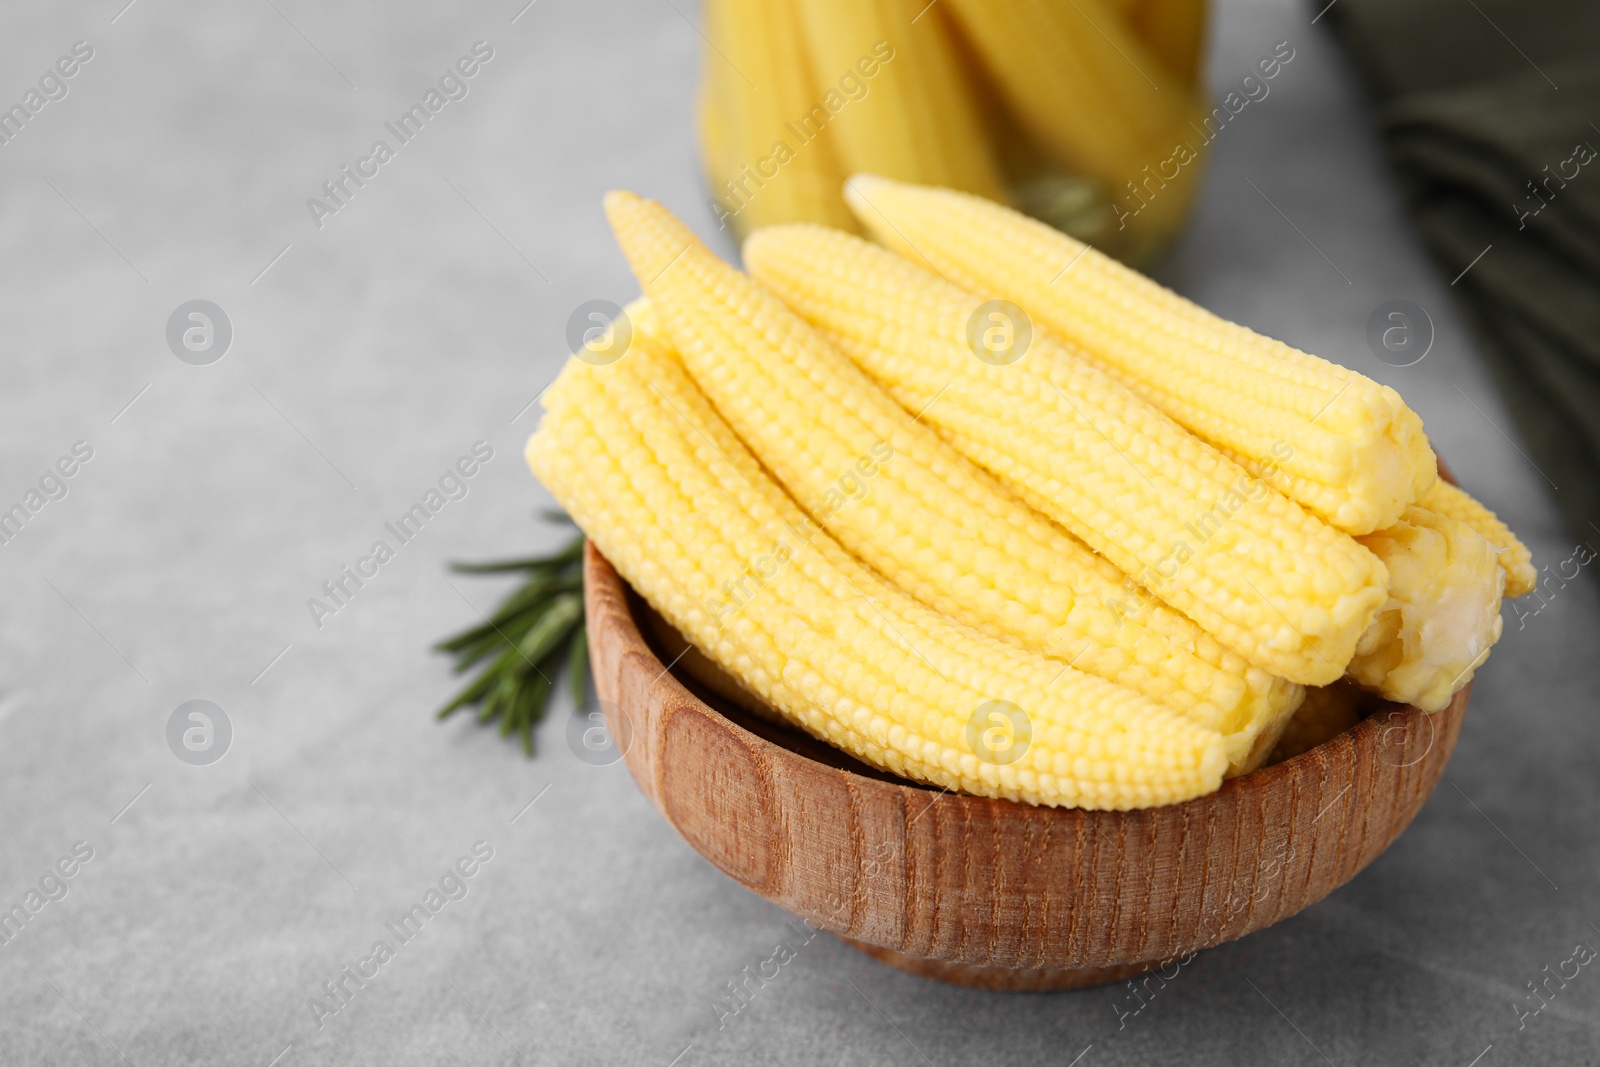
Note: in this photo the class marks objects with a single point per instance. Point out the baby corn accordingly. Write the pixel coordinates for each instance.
(741, 130)
(1443, 612)
(1275, 584)
(1515, 559)
(912, 507)
(667, 491)
(918, 119)
(1342, 445)
(1175, 33)
(1088, 90)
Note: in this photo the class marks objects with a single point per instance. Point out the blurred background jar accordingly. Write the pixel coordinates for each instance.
(1084, 113)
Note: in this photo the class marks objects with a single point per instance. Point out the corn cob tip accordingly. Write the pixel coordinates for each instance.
(632, 216)
(651, 237)
(862, 184)
(618, 200)
(759, 243)
(862, 189)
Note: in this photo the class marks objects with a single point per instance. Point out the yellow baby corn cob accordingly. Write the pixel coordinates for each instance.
(666, 490)
(1515, 559)
(1327, 712)
(711, 129)
(1443, 612)
(1342, 445)
(1089, 91)
(1172, 31)
(915, 117)
(763, 172)
(1289, 593)
(1175, 33)
(886, 487)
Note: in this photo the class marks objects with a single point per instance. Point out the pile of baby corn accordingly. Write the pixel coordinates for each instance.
(988, 510)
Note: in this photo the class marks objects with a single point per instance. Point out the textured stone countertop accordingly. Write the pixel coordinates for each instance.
(367, 357)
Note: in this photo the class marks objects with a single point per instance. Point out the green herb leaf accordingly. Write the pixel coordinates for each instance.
(538, 564)
(534, 633)
(578, 667)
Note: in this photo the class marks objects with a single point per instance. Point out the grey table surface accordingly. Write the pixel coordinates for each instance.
(368, 355)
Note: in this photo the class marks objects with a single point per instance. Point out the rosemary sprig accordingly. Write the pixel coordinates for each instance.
(534, 634)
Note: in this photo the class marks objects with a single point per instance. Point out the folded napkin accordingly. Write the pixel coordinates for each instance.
(1490, 112)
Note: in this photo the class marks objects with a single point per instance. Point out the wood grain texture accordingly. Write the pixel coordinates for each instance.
(987, 892)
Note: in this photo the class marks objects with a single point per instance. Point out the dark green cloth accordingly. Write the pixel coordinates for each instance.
(1488, 109)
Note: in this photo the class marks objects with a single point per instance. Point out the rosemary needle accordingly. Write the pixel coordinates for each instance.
(534, 634)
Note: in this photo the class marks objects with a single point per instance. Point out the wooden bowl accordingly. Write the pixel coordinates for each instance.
(993, 893)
